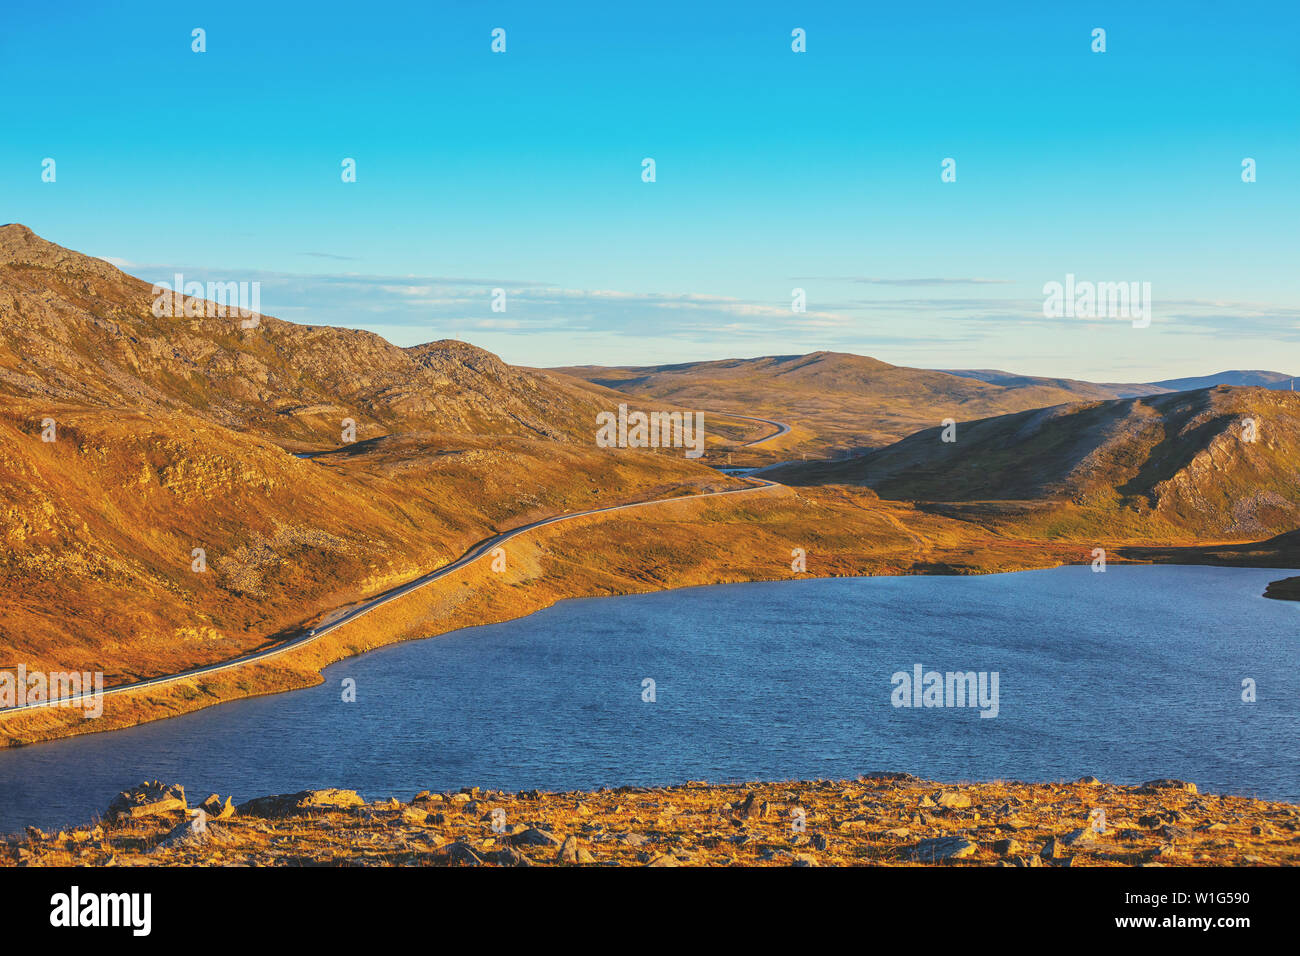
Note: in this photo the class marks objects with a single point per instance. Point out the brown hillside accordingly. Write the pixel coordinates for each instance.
(1181, 458)
(75, 330)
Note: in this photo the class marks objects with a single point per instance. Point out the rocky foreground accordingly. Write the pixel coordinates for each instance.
(879, 819)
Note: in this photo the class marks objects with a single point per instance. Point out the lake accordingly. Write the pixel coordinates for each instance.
(1128, 675)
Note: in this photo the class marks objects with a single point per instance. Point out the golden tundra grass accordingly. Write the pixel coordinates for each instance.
(874, 822)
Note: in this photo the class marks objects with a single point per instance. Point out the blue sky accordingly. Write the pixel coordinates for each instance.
(775, 170)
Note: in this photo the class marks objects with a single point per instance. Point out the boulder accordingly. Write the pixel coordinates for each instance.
(571, 852)
(1054, 849)
(1165, 783)
(151, 798)
(216, 810)
(193, 832)
(509, 856)
(535, 837)
(1075, 837)
(456, 854)
(752, 808)
(289, 804)
(942, 848)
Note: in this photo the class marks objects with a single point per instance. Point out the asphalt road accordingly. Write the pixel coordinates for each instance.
(469, 557)
(781, 428)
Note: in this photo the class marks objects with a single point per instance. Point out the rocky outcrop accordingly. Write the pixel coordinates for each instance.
(305, 801)
(152, 798)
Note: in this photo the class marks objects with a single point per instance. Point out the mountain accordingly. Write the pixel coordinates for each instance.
(1274, 380)
(1184, 460)
(76, 330)
(1080, 389)
(840, 401)
(175, 434)
(845, 403)
(1279, 381)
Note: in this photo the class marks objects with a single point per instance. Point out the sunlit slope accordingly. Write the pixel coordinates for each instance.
(1216, 461)
(76, 330)
(98, 528)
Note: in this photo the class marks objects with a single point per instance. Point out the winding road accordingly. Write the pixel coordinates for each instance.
(359, 610)
(781, 428)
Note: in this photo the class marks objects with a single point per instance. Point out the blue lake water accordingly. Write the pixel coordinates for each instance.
(1128, 675)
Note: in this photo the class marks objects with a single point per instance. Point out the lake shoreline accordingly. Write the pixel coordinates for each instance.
(1288, 589)
(300, 668)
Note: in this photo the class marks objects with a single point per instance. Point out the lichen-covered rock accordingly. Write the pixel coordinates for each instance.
(151, 798)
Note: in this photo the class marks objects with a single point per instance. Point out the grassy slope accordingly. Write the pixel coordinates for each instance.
(99, 527)
(847, 402)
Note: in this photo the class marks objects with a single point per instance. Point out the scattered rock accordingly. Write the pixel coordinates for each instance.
(457, 854)
(216, 810)
(535, 837)
(942, 848)
(509, 856)
(752, 808)
(1075, 837)
(568, 852)
(193, 832)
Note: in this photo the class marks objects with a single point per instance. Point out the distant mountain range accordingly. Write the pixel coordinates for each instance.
(846, 402)
(1279, 381)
